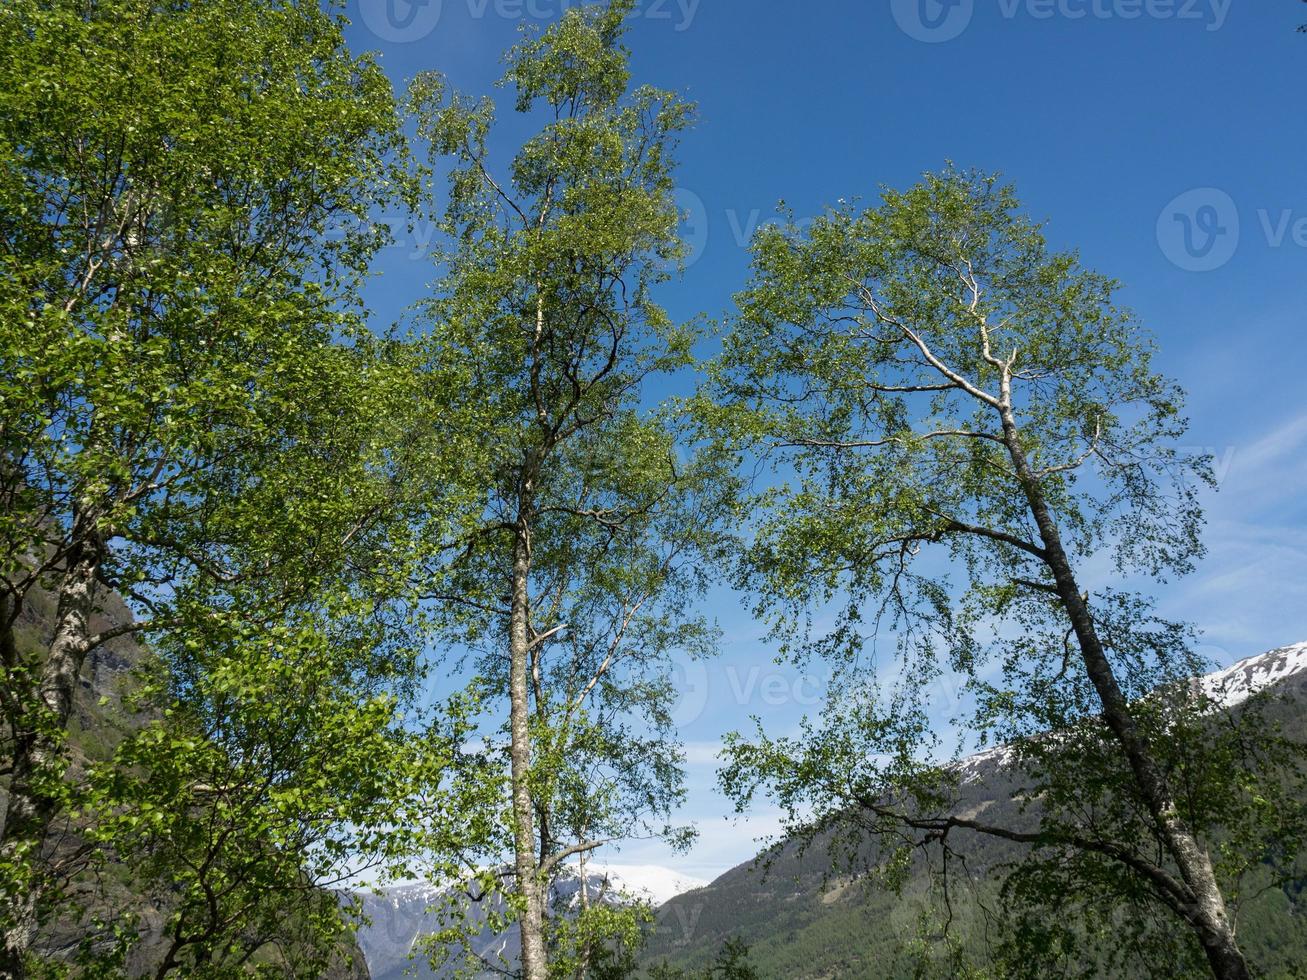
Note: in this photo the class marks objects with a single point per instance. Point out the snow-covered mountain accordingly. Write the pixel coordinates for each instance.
(400, 916)
(1235, 685)
(650, 882)
(1227, 688)
(397, 918)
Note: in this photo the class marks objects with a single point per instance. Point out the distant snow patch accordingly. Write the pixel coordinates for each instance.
(1226, 688)
(1237, 684)
(651, 882)
(974, 768)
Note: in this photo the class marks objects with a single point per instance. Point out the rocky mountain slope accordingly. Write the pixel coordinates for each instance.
(401, 916)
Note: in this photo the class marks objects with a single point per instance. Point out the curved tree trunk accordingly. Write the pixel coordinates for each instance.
(1206, 910)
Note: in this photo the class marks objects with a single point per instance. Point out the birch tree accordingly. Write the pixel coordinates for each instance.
(574, 593)
(944, 396)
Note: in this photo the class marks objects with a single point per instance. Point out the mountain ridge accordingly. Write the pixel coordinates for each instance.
(805, 922)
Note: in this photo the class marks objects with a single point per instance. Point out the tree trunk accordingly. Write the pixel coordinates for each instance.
(583, 967)
(38, 748)
(1206, 912)
(531, 923)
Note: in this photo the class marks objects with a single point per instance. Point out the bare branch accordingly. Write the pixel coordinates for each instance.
(582, 847)
(1080, 460)
(891, 440)
(963, 527)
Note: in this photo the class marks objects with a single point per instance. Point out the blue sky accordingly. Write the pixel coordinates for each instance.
(1162, 138)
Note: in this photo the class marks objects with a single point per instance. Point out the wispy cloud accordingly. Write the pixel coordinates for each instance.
(702, 753)
(1267, 473)
(1250, 592)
